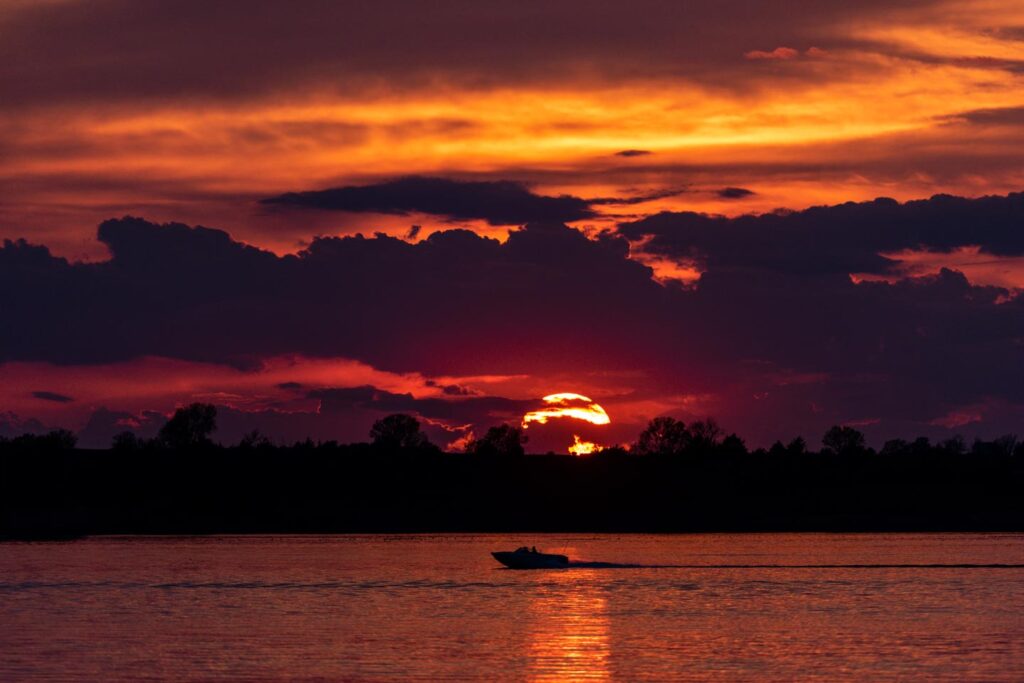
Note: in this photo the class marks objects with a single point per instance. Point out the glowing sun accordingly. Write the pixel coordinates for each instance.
(570, 405)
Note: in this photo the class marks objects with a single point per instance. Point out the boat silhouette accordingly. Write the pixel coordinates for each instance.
(530, 558)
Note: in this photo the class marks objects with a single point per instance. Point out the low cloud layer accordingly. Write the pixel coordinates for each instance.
(496, 202)
(775, 338)
(844, 239)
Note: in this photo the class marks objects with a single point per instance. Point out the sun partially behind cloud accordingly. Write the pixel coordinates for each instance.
(567, 405)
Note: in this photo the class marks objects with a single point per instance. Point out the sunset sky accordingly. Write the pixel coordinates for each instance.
(715, 208)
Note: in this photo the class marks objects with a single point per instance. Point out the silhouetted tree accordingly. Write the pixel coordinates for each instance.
(190, 427)
(126, 441)
(797, 446)
(705, 434)
(663, 435)
(895, 447)
(56, 440)
(843, 440)
(1004, 446)
(733, 445)
(63, 439)
(503, 440)
(955, 445)
(255, 439)
(45, 492)
(398, 431)
(921, 446)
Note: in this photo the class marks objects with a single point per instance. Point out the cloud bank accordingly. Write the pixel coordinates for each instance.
(775, 337)
(497, 202)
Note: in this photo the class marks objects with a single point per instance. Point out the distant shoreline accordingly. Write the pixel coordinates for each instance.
(359, 489)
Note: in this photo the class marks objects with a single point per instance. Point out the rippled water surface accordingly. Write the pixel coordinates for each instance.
(705, 607)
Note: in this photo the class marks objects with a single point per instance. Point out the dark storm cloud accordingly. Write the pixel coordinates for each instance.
(497, 202)
(773, 283)
(775, 302)
(183, 292)
(836, 239)
(52, 396)
(122, 49)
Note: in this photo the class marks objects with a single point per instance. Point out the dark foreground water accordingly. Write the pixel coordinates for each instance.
(706, 607)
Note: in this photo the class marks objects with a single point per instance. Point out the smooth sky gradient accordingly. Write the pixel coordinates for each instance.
(291, 126)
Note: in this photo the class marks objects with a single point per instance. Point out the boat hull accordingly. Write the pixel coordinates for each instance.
(514, 560)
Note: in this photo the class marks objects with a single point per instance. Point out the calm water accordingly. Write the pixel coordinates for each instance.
(438, 607)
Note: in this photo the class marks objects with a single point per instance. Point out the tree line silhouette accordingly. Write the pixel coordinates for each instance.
(192, 427)
(674, 477)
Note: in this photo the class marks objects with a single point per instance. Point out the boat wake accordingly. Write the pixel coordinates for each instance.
(618, 565)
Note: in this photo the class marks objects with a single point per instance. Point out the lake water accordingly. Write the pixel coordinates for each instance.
(707, 607)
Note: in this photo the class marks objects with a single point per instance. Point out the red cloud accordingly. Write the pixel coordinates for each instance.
(786, 53)
(777, 53)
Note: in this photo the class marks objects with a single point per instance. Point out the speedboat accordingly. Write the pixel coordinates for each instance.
(527, 558)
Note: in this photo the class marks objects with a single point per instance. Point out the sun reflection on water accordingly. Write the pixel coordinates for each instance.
(570, 630)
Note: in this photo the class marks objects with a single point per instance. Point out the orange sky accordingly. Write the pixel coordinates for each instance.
(861, 104)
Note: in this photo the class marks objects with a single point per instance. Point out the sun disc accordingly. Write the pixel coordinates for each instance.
(568, 404)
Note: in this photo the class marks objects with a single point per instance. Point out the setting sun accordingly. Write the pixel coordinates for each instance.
(570, 405)
(567, 405)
